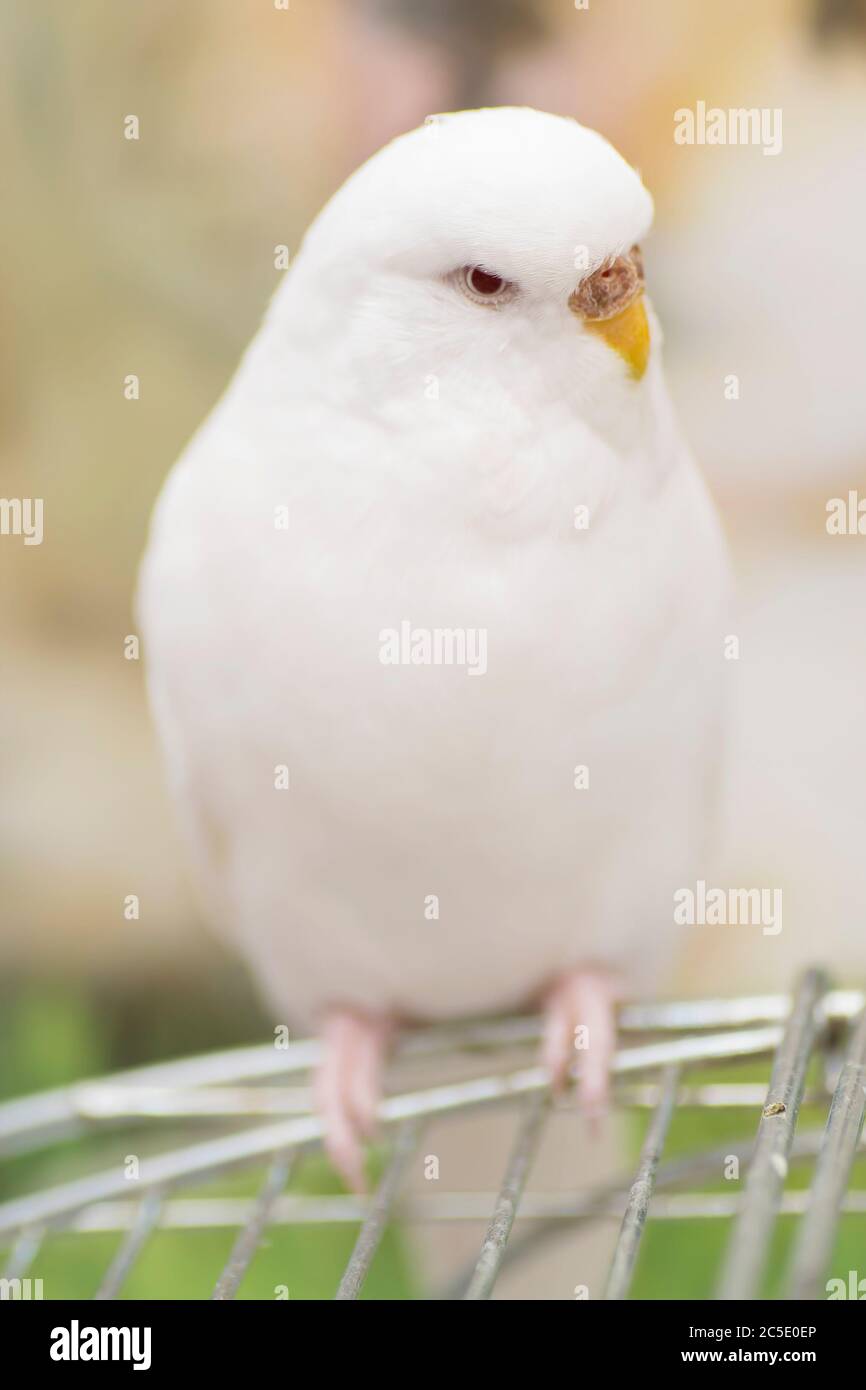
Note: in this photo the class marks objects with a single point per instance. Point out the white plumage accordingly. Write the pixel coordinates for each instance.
(431, 452)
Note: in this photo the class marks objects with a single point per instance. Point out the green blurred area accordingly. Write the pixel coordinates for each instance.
(293, 1262)
(54, 1035)
(680, 1259)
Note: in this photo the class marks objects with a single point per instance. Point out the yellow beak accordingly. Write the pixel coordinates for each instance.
(628, 334)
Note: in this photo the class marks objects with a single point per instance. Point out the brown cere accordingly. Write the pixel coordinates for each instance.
(611, 288)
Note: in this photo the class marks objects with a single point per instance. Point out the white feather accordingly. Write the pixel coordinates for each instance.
(431, 453)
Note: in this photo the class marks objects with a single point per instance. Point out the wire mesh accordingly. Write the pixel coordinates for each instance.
(662, 1050)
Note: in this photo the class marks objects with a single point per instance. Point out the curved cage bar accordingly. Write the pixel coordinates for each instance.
(260, 1097)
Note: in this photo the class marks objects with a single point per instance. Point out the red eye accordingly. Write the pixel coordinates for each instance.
(482, 282)
(483, 286)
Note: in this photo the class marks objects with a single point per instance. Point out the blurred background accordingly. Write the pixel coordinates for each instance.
(154, 257)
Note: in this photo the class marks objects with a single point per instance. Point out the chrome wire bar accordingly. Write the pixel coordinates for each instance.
(814, 1245)
(249, 1237)
(722, 1095)
(747, 1252)
(520, 1161)
(297, 1209)
(53, 1115)
(634, 1220)
(146, 1221)
(214, 1213)
(24, 1252)
(657, 1041)
(66, 1113)
(100, 1103)
(695, 1014)
(259, 1102)
(373, 1229)
(609, 1199)
(197, 1162)
(203, 1159)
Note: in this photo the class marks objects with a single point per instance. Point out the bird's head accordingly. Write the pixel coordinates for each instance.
(486, 230)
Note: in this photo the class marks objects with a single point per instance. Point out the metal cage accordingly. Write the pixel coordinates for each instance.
(263, 1092)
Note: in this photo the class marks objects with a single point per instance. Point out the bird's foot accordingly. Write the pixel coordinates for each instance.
(580, 1026)
(348, 1086)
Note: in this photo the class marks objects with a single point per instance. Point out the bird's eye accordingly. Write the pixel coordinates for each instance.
(482, 282)
(483, 286)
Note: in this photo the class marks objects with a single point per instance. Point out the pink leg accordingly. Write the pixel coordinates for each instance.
(580, 1026)
(348, 1086)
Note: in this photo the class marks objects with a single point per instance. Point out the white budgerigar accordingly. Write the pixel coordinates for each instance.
(432, 612)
